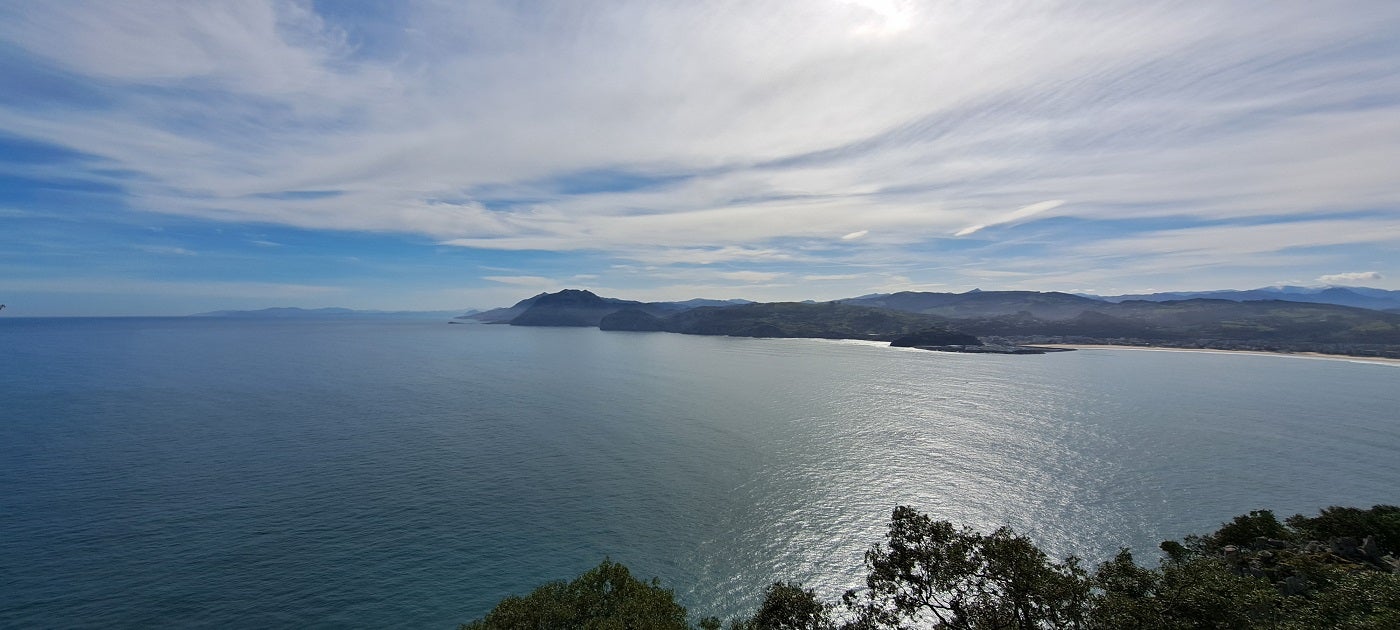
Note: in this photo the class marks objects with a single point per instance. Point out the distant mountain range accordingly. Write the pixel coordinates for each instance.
(1360, 297)
(1010, 317)
(1035, 314)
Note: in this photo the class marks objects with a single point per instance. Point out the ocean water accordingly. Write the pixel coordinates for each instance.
(190, 473)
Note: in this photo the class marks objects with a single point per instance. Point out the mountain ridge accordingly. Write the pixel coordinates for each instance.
(1006, 318)
(1360, 297)
(583, 311)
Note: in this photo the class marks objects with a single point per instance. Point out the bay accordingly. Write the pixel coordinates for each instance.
(261, 473)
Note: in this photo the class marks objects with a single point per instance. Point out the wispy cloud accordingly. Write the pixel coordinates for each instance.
(119, 285)
(1236, 241)
(1350, 277)
(705, 255)
(878, 136)
(1012, 217)
(751, 276)
(171, 251)
(523, 281)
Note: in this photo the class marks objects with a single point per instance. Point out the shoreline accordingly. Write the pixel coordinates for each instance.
(1296, 355)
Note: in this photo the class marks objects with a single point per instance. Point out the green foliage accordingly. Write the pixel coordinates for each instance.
(1355, 600)
(606, 597)
(786, 606)
(1381, 521)
(930, 574)
(1199, 592)
(1247, 527)
(1175, 551)
(791, 607)
(1285, 583)
(1126, 595)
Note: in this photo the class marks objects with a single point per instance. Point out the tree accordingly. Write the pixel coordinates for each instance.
(1187, 591)
(606, 597)
(929, 572)
(1244, 529)
(1381, 521)
(1127, 595)
(791, 607)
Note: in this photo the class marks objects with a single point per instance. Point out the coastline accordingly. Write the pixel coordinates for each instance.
(1296, 355)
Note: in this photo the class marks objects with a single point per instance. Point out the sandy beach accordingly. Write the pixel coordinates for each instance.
(1299, 355)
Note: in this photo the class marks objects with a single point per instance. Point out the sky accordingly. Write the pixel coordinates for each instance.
(167, 158)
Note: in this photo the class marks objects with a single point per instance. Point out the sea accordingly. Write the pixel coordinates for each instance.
(245, 473)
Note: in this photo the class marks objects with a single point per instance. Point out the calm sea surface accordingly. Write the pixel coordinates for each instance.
(253, 474)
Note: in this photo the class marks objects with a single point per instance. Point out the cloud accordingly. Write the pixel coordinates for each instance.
(686, 134)
(896, 283)
(523, 281)
(1354, 276)
(832, 277)
(128, 286)
(1011, 218)
(171, 251)
(994, 273)
(704, 255)
(1240, 240)
(751, 276)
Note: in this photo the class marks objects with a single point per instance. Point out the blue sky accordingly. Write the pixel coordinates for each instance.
(169, 158)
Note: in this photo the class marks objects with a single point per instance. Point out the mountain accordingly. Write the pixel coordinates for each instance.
(826, 320)
(1205, 322)
(1012, 317)
(502, 315)
(699, 302)
(1359, 297)
(1048, 306)
(571, 307)
(575, 307)
(1032, 313)
(1266, 320)
(285, 312)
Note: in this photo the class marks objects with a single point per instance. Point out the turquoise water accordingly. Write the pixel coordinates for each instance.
(237, 473)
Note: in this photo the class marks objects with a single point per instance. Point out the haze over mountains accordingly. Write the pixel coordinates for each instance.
(1360, 297)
